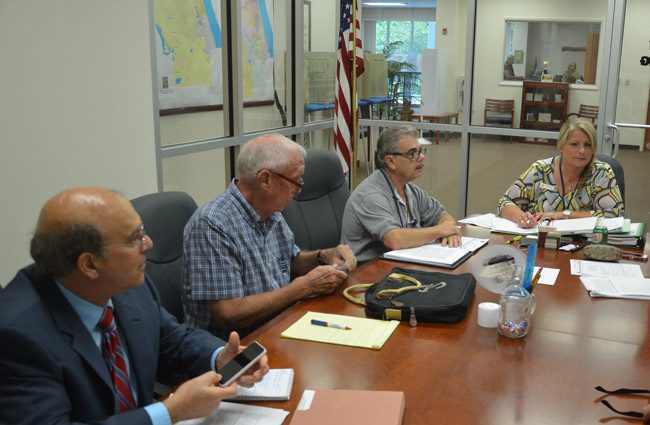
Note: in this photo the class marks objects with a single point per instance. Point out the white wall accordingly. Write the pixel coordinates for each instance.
(76, 108)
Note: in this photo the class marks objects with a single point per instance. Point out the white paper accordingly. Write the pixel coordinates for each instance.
(436, 253)
(240, 414)
(575, 225)
(620, 287)
(276, 385)
(614, 223)
(483, 220)
(306, 400)
(595, 268)
(548, 276)
(503, 225)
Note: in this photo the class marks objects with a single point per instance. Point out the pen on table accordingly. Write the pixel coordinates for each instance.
(538, 275)
(329, 325)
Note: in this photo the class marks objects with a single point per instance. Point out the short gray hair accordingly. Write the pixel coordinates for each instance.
(265, 152)
(389, 140)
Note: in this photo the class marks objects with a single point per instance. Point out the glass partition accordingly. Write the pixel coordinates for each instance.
(266, 58)
(189, 47)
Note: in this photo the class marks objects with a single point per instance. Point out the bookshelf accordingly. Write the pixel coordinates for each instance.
(543, 105)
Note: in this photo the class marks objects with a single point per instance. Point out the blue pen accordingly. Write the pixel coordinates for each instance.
(329, 325)
(530, 265)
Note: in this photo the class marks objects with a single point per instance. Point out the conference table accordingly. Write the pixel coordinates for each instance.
(465, 374)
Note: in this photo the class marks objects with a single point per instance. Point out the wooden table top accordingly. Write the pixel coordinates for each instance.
(464, 374)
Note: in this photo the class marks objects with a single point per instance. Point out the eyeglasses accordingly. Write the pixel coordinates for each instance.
(299, 184)
(412, 154)
(631, 413)
(138, 239)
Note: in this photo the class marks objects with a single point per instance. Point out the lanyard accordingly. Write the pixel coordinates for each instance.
(573, 193)
(412, 223)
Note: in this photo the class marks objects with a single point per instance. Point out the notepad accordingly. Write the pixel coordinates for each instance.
(239, 414)
(618, 287)
(437, 255)
(276, 385)
(365, 333)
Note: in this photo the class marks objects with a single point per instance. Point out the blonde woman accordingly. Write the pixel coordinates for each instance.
(572, 184)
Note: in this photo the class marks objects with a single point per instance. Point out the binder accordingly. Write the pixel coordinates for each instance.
(435, 254)
(349, 407)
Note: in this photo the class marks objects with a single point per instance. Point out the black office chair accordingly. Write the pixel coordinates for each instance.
(164, 216)
(316, 213)
(618, 171)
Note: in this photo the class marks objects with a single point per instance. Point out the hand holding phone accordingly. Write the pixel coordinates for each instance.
(241, 363)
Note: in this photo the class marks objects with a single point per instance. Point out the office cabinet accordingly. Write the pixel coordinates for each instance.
(543, 105)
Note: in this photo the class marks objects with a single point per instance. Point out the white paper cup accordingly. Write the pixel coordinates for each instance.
(488, 315)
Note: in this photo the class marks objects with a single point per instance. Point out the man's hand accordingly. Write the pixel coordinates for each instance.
(452, 241)
(252, 375)
(198, 397)
(449, 233)
(324, 280)
(340, 256)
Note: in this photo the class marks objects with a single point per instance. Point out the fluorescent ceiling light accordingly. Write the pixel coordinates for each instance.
(383, 4)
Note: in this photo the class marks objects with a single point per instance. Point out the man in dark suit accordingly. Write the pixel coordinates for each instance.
(89, 251)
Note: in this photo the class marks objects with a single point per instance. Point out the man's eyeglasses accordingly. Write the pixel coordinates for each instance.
(138, 239)
(412, 154)
(299, 184)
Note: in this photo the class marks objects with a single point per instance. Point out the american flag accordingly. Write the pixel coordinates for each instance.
(343, 125)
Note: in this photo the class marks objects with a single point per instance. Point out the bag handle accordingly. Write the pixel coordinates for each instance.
(351, 292)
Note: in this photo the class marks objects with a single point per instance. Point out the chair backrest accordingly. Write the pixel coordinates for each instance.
(499, 112)
(589, 111)
(164, 216)
(618, 171)
(316, 213)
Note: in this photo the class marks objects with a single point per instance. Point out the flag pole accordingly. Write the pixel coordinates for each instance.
(353, 95)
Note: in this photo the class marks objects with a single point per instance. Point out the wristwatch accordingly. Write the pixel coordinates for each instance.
(566, 214)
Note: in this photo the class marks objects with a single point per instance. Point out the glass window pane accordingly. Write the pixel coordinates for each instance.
(202, 174)
(381, 36)
(265, 55)
(320, 19)
(188, 42)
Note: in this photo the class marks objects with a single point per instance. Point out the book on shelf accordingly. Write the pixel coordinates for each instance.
(434, 254)
(276, 385)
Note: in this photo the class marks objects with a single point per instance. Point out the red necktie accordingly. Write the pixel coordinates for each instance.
(114, 356)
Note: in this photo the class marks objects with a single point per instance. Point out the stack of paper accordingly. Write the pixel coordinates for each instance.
(240, 414)
(612, 279)
(437, 255)
(634, 237)
(276, 385)
(362, 332)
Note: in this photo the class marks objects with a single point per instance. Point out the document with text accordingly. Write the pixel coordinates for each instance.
(240, 414)
(437, 255)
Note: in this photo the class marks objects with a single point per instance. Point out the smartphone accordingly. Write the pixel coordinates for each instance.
(241, 363)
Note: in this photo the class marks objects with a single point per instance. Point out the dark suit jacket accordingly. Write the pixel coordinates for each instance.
(51, 371)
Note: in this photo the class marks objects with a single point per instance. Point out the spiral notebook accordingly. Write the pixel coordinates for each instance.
(276, 385)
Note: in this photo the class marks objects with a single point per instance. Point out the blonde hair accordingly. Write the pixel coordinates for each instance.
(587, 127)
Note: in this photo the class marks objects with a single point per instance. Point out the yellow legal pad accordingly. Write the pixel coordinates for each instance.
(365, 333)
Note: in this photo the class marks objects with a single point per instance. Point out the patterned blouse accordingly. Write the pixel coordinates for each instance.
(537, 191)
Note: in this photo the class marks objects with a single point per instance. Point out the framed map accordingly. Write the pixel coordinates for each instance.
(189, 53)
